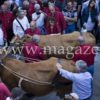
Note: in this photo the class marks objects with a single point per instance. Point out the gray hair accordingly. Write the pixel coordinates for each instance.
(25, 2)
(20, 11)
(81, 40)
(81, 65)
(37, 6)
(36, 38)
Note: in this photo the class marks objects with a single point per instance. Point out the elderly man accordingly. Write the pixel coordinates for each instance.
(59, 18)
(20, 24)
(39, 17)
(85, 52)
(33, 30)
(32, 51)
(31, 9)
(82, 80)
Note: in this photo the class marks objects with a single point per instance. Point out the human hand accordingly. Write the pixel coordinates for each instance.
(59, 66)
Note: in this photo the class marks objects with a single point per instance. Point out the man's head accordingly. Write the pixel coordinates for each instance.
(37, 7)
(36, 39)
(52, 9)
(33, 25)
(26, 4)
(81, 66)
(4, 8)
(20, 12)
(69, 5)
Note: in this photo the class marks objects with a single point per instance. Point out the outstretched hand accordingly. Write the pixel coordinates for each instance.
(59, 66)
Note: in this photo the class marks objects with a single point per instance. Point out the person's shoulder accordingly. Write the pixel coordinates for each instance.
(15, 21)
(88, 75)
(25, 18)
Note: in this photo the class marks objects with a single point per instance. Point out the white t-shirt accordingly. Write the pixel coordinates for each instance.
(17, 28)
(39, 19)
(1, 37)
(89, 25)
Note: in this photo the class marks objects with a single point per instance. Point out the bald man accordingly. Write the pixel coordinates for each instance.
(33, 30)
(32, 51)
(59, 18)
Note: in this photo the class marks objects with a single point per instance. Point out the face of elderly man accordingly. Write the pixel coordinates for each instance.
(26, 4)
(4, 8)
(52, 9)
(33, 25)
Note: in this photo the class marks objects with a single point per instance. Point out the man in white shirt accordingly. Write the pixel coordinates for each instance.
(20, 24)
(39, 17)
(82, 80)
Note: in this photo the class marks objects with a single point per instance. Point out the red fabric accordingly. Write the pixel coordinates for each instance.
(86, 53)
(35, 32)
(4, 92)
(62, 1)
(59, 18)
(31, 10)
(56, 29)
(7, 20)
(47, 11)
(33, 51)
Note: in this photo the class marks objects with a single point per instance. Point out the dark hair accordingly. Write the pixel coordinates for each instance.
(45, 4)
(90, 3)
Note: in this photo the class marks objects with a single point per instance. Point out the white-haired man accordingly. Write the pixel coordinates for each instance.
(82, 80)
(39, 17)
(20, 24)
(32, 51)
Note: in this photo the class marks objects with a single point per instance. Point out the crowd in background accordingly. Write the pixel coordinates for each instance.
(48, 17)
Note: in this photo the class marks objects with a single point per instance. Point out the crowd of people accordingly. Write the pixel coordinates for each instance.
(50, 17)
